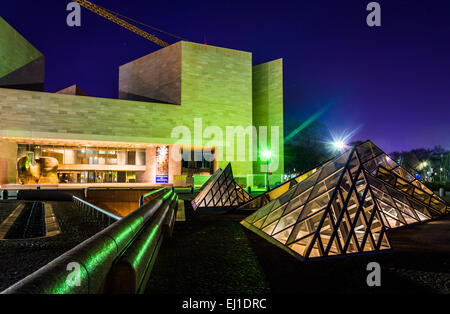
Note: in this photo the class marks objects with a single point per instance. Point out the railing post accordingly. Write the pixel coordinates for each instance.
(141, 200)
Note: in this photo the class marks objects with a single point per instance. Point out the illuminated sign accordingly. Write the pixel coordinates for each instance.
(162, 164)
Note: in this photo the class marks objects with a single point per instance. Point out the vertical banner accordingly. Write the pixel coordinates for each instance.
(162, 164)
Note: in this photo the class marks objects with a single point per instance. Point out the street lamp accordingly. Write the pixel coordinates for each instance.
(267, 154)
(339, 145)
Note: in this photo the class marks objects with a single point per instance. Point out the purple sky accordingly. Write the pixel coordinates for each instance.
(391, 82)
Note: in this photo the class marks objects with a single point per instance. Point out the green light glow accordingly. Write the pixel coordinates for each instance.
(153, 192)
(306, 123)
(140, 255)
(266, 154)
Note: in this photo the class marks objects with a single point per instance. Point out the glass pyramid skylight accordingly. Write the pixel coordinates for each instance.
(340, 209)
(221, 191)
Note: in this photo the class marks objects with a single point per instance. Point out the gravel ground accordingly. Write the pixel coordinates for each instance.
(6, 207)
(19, 258)
(211, 253)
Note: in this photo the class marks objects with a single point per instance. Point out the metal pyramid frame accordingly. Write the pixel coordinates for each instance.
(343, 208)
(221, 192)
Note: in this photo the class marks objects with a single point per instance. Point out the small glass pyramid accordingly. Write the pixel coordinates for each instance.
(221, 191)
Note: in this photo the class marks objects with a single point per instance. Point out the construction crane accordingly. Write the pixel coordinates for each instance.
(113, 18)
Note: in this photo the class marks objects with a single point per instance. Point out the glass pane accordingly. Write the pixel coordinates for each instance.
(326, 232)
(274, 215)
(422, 196)
(360, 229)
(420, 208)
(263, 212)
(288, 220)
(384, 243)
(306, 226)
(393, 219)
(368, 151)
(298, 201)
(346, 184)
(352, 206)
(352, 247)
(301, 246)
(314, 250)
(269, 228)
(283, 235)
(354, 163)
(306, 184)
(437, 205)
(360, 185)
(316, 205)
(404, 186)
(404, 174)
(406, 210)
(325, 185)
(334, 165)
(386, 176)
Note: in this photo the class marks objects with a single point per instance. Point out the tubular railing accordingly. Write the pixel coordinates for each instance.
(94, 210)
(142, 199)
(124, 252)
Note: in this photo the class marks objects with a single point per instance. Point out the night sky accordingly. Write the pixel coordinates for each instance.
(391, 83)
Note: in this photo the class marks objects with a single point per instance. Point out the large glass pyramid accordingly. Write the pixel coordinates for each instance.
(221, 191)
(345, 207)
(268, 196)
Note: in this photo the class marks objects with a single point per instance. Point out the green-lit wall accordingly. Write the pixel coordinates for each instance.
(268, 107)
(15, 51)
(216, 87)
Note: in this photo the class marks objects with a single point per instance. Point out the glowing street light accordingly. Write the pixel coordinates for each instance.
(339, 142)
(266, 154)
(339, 145)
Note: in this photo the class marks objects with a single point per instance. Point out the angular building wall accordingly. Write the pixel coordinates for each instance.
(215, 87)
(22, 66)
(72, 90)
(154, 77)
(268, 110)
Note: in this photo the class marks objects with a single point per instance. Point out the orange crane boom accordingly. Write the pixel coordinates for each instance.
(102, 12)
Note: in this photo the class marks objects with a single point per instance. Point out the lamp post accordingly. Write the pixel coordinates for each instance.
(266, 155)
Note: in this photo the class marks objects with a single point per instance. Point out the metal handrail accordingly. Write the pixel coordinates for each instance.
(97, 255)
(83, 202)
(141, 199)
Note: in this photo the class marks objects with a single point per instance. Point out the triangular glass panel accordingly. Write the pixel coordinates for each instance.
(302, 245)
(288, 219)
(283, 235)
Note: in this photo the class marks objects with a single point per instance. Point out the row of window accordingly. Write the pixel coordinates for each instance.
(84, 156)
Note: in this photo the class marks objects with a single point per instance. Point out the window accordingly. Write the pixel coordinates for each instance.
(131, 157)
